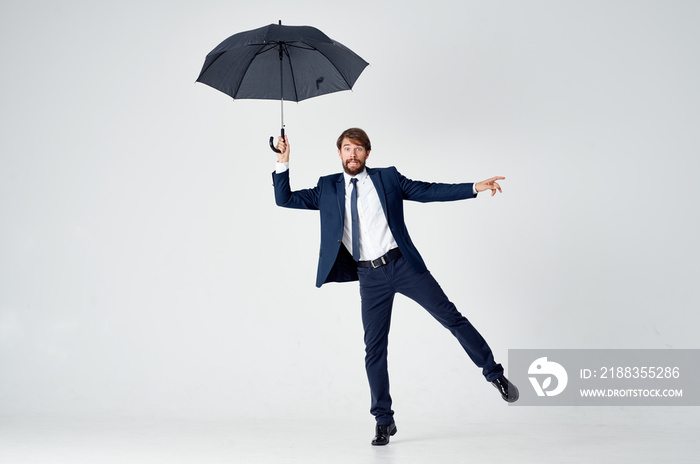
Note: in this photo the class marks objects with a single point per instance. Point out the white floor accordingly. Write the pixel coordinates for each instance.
(113, 439)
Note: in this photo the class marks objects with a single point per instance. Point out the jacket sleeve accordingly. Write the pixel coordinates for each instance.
(430, 191)
(300, 199)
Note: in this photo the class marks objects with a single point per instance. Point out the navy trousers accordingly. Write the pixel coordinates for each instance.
(377, 289)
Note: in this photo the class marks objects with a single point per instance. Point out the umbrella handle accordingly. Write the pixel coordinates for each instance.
(272, 145)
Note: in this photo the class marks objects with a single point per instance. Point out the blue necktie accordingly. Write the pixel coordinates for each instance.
(355, 221)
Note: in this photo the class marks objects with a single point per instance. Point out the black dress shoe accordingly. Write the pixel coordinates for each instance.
(383, 434)
(508, 391)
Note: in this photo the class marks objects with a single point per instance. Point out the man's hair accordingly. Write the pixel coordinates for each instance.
(356, 135)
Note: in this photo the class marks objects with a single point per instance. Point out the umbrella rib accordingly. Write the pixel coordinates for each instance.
(291, 70)
(271, 45)
(309, 47)
(238, 87)
(259, 52)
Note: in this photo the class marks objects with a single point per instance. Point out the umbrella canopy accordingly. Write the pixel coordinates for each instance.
(247, 64)
(279, 62)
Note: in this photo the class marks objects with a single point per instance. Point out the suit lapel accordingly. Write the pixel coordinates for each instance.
(340, 195)
(379, 187)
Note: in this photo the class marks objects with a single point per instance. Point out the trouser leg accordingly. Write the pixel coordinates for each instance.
(377, 299)
(424, 289)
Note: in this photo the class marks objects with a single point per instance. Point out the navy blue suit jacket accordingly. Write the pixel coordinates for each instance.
(335, 264)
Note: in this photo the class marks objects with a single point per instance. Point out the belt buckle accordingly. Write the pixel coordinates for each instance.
(378, 265)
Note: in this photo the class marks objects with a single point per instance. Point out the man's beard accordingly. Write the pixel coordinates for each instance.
(354, 171)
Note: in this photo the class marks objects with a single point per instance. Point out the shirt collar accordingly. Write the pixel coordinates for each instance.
(360, 177)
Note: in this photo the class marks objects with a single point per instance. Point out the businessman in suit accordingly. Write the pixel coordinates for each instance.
(364, 237)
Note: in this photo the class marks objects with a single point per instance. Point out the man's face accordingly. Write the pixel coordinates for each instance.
(353, 156)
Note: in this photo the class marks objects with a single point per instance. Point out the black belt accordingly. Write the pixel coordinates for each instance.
(390, 256)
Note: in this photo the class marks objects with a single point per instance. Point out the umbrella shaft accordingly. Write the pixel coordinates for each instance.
(281, 91)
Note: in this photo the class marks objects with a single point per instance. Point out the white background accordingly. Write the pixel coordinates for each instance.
(146, 271)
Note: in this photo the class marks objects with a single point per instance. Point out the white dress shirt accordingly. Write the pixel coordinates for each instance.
(375, 237)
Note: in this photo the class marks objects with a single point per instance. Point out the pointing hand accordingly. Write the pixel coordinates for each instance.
(489, 184)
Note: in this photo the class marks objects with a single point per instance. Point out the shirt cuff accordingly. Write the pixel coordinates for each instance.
(282, 167)
(473, 187)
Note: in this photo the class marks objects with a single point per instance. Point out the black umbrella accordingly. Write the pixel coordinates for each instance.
(281, 62)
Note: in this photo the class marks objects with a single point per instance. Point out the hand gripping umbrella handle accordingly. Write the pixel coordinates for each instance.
(272, 145)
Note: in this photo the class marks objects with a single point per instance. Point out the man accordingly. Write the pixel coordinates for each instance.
(363, 237)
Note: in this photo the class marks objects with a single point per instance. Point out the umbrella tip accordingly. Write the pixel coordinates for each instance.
(280, 22)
